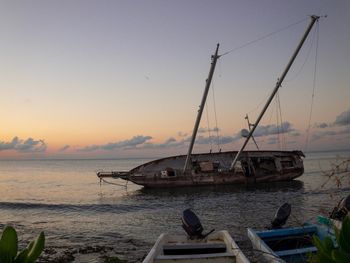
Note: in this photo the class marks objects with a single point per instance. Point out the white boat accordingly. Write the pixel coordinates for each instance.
(216, 247)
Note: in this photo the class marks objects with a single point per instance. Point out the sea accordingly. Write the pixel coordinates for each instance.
(84, 219)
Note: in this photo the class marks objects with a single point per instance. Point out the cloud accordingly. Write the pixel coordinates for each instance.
(321, 125)
(295, 133)
(267, 130)
(66, 147)
(214, 139)
(133, 142)
(203, 130)
(259, 132)
(203, 140)
(126, 144)
(9, 145)
(171, 142)
(25, 146)
(272, 140)
(31, 145)
(343, 118)
(182, 134)
(322, 134)
(273, 129)
(319, 135)
(89, 148)
(333, 129)
(142, 142)
(227, 139)
(200, 140)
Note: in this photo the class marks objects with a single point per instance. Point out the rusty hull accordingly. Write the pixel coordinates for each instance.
(213, 169)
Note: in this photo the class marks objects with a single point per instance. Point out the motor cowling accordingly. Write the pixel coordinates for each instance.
(191, 224)
(281, 216)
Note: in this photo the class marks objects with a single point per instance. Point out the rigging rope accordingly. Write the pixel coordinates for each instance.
(283, 139)
(313, 88)
(284, 132)
(263, 37)
(260, 103)
(277, 122)
(306, 58)
(216, 120)
(211, 143)
(107, 182)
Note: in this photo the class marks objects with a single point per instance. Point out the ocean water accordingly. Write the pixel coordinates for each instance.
(65, 199)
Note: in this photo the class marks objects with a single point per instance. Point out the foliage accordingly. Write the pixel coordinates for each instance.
(9, 248)
(328, 253)
(339, 171)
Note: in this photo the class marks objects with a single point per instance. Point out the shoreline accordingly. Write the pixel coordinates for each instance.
(120, 253)
(95, 253)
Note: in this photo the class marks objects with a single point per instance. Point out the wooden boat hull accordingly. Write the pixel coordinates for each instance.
(218, 247)
(214, 169)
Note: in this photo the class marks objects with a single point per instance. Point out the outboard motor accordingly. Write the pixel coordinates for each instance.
(339, 212)
(192, 225)
(281, 216)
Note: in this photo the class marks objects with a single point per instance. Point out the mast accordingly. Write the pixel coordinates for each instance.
(278, 85)
(214, 58)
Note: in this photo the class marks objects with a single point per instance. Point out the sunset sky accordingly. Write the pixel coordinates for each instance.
(115, 79)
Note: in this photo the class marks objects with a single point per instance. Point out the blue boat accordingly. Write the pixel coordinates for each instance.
(292, 244)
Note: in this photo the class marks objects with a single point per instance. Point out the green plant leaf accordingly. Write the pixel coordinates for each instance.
(8, 244)
(346, 224)
(311, 258)
(340, 256)
(343, 243)
(30, 245)
(36, 248)
(4, 256)
(317, 242)
(323, 253)
(323, 259)
(22, 256)
(328, 244)
(344, 236)
(337, 235)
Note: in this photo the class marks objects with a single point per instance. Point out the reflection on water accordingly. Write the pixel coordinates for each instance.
(64, 199)
(222, 189)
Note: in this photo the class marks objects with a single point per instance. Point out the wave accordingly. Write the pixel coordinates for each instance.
(101, 208)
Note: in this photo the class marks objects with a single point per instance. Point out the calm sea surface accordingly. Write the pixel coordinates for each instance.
(65, 199)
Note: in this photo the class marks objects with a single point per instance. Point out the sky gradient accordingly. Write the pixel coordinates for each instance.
(97, 79)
